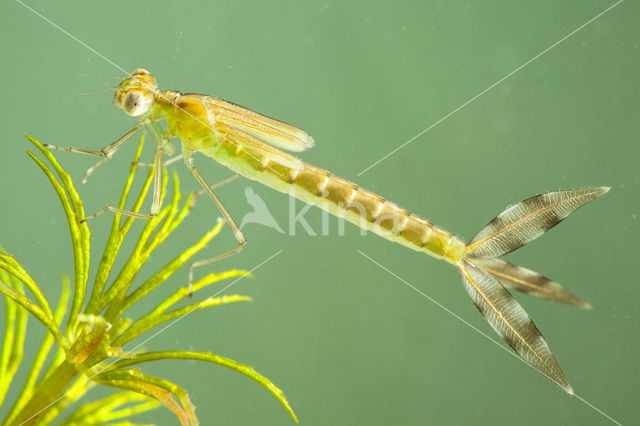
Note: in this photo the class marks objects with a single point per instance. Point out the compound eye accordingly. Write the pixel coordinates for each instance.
(135, 104)
(139, 71)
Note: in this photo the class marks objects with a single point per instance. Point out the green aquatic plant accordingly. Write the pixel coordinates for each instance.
(90, 339)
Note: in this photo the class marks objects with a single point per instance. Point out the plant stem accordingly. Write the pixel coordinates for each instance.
(46, 394)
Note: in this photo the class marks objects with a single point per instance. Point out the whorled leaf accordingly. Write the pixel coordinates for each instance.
(24, 302)
(80, 234)
(11, 266)
(158, 315)
(172, 396)
(90, 336)
(120, 405)
(118, 232)
(211, 358)
(41, 356)
(14, 336)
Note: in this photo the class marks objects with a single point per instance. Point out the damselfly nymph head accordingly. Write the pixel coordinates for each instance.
(135, 94)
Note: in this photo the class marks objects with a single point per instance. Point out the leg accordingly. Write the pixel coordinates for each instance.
(106, 152)
(242, 242)
(166, 163)
(214, 186)
(155, 203)
(219, 184)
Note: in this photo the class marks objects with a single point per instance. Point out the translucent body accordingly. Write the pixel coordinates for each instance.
(251, 145)
(237, 138)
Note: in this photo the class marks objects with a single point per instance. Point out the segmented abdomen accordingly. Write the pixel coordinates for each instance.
(345, 199)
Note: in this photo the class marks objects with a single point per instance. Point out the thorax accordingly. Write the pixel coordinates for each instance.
(189, 116)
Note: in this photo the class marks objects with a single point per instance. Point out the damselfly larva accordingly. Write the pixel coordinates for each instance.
(250, 144)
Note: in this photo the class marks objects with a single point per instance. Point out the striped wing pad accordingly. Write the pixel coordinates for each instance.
(266, 129)
(511, 322)
(528, 219)
(258, 148)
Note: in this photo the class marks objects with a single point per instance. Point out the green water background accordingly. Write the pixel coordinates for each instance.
(349, 343)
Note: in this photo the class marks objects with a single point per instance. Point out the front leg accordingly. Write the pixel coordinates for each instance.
(106, 152)
(155, 203)
(162, 143)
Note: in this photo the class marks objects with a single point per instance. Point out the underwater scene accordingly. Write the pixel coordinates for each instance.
(325, 213)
